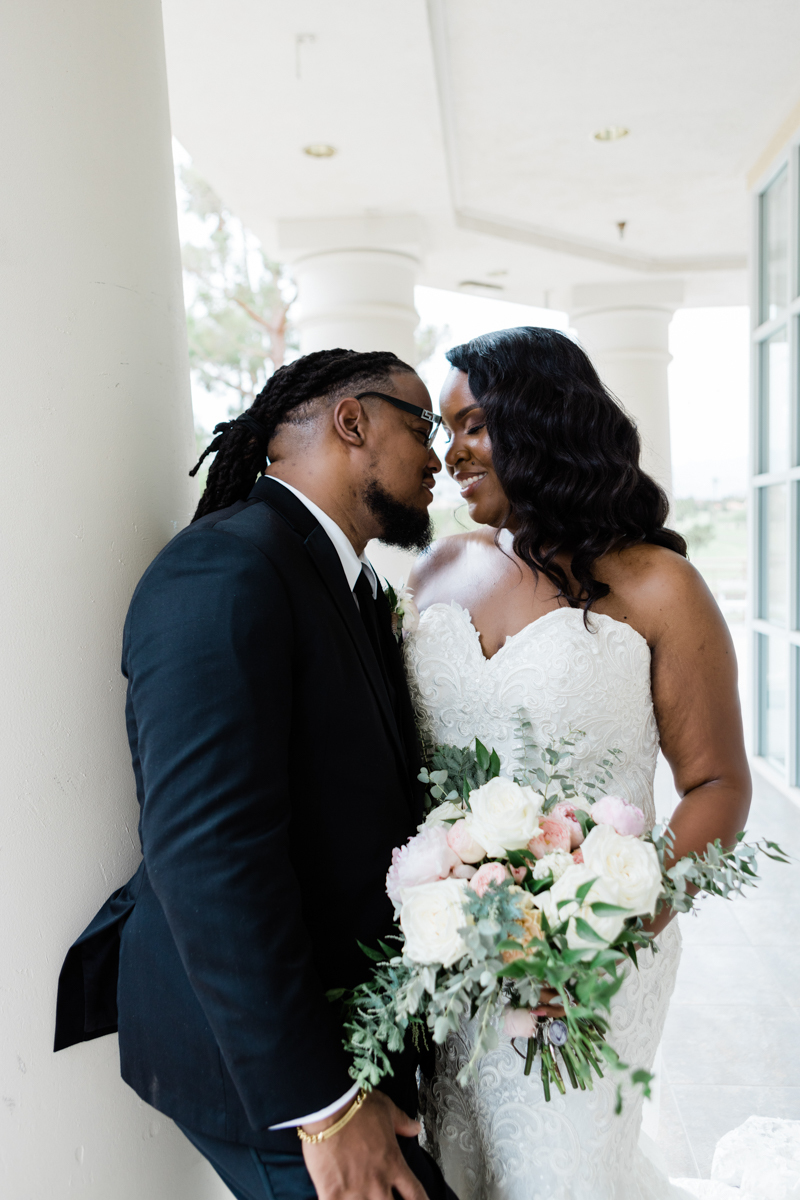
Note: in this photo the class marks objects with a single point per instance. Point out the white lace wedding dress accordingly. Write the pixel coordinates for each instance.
(498, 1139)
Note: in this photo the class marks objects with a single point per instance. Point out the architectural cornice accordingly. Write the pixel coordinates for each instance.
(560, 243)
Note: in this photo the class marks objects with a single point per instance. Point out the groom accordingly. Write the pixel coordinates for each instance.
(275, 758)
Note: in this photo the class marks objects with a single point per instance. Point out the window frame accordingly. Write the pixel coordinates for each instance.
(789, 634)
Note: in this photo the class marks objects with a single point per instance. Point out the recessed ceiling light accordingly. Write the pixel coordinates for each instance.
(611, 133)
(319, 150)
(478, 283)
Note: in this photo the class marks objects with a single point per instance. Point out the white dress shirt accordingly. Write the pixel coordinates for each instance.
(351, 562)
(352, 565)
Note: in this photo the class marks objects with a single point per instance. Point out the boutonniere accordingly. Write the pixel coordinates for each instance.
(405, 614)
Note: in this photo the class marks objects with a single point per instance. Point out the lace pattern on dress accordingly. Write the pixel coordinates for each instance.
(498, 1139)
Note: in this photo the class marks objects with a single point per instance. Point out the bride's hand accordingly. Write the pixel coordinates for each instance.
(546, 1006)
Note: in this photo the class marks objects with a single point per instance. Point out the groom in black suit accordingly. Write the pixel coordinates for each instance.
(275, 759)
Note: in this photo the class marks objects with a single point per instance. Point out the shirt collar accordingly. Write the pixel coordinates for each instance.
(351, 562)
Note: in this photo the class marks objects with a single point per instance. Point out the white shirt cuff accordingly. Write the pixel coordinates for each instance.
(323, 1112)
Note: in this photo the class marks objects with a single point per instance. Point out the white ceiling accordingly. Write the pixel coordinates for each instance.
(477, 118)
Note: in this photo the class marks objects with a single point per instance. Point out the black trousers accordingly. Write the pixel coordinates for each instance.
(271, 1175)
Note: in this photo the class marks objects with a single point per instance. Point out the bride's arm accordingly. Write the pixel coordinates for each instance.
(694, 678)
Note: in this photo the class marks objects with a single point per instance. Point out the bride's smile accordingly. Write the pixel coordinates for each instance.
(468, 481)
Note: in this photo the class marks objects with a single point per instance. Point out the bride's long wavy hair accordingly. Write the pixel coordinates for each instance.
(566, 454)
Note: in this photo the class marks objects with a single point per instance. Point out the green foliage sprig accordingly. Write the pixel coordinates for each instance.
(462, 769)
(718, 872)
(549, 768)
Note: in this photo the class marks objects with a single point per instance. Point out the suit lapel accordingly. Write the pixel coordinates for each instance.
(328, 565)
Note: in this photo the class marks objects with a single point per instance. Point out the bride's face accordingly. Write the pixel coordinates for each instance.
(469, 452)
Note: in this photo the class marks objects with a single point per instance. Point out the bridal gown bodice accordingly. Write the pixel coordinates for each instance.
(498, 1139)
(565, 678)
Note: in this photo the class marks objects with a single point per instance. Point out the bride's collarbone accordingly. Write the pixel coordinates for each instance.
(503, 598)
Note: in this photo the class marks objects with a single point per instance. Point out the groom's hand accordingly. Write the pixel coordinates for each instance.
(363, 1161)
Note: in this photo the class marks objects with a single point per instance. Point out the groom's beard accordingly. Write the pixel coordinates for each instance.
(402, 525)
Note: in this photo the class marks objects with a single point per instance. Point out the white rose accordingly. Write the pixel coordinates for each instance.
(631, 864)
(446, 811)
(463, 843)
(504, 816)
(557, 862)
(407, 609)
(430, 918)
(565, 888)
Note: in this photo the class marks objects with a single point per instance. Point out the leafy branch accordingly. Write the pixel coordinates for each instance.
(549, 768)
(463, 770)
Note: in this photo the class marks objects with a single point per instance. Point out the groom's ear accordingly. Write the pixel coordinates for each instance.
(350, 421)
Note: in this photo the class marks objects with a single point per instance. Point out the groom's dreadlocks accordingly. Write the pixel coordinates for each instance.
(241, 445)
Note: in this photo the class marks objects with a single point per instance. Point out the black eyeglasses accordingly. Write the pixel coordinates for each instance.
(422, 413)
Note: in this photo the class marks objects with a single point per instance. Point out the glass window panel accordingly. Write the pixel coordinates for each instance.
(794, 550)
(775, 403)
(796, 734)
(775, 248)
(773, 680)
(773, 574)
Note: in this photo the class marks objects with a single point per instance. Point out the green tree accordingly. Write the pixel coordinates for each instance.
(236, 299)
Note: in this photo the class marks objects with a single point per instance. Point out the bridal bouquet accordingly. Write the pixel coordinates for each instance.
(515, 885)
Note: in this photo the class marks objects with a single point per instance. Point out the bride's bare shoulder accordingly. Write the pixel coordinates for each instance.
(448, 554)
(657, 588)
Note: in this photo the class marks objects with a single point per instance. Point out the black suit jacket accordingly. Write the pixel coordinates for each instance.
(274, 778)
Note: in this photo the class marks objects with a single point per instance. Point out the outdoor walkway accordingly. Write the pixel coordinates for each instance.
(731, 1047)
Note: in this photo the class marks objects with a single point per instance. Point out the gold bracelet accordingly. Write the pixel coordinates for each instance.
(311, 1139)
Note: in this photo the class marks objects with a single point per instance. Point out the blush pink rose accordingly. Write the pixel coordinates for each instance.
(424, 859)
(493, 872)
(520, 1022)
(624, 817)
(554, 834)
(577, 856)
(518, 873)
(567, 813)
(461, 840)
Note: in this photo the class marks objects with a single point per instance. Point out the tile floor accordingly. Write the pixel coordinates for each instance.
(731, 1047)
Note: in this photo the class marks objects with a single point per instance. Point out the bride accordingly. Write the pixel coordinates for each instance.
(576, 604)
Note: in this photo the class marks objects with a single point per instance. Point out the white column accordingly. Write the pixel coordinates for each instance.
(624, 328)
(358, 299)
(97, 440)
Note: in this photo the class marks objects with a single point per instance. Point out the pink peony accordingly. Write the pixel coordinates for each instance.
(624, 817)
(424, 859)
(463, 871)
(577, 856)
(520, 1022)
(555, 835)
(567, 813)
(518, 873)
(493, 872)
(461, 840)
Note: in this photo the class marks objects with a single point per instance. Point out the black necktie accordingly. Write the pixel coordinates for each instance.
(377, 622)
(369, 615)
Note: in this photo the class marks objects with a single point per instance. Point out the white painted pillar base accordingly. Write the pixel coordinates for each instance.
(357, 299)
(97, 441)
(624, 328)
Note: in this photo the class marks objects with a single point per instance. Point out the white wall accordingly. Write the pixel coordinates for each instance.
(96, 443)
